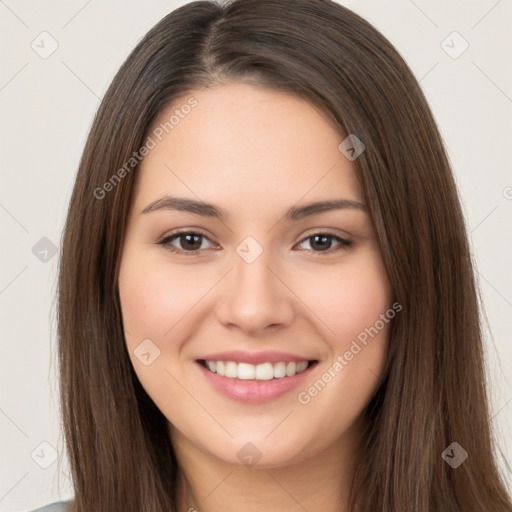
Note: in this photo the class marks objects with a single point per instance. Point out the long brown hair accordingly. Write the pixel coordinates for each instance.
(433, 390)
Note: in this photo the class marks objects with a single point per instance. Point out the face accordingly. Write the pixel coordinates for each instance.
(276, 289)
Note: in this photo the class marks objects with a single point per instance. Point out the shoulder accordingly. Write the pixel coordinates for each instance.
(60, 506)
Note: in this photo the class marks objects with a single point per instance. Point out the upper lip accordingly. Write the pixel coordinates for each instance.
(240, 356)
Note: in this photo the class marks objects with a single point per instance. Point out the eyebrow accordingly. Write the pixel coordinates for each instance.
(210, 210)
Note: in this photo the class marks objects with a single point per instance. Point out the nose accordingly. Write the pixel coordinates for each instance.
(254, 297)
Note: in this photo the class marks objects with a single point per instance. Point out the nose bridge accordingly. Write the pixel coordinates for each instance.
(252, 270)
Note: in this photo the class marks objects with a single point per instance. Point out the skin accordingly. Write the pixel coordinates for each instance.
(255, 152)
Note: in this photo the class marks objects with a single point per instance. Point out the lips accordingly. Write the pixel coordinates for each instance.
(253, 391)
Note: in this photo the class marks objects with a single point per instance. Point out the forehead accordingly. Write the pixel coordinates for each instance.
(246, 142)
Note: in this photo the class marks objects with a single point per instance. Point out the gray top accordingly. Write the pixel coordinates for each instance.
(60, 506)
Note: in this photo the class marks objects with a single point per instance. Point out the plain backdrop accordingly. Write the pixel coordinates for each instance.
(46, 109)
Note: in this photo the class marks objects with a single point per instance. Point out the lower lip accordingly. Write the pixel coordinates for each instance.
(255, 391)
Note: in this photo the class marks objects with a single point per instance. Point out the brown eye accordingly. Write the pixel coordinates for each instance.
(189, 242)
(322, 242)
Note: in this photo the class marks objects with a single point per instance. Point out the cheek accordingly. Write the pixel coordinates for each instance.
(350, 300)
(359, 296)
(156, 303)
(155, 299)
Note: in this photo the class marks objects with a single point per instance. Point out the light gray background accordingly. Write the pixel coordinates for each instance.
(46, 108)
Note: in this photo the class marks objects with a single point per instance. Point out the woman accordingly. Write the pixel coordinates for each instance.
(266, 296)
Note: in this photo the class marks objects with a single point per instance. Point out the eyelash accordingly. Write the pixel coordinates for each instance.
(166, 242)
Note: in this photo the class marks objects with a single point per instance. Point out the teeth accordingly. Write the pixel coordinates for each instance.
(264, 371)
